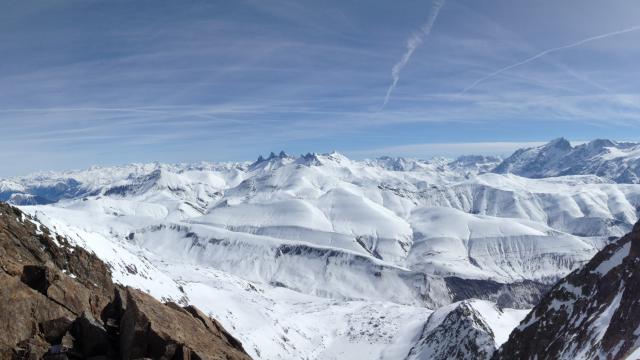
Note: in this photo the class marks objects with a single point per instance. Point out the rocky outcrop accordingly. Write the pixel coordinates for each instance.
(58, 301)
(518, 295)
(151, 329)
(461, 334)
(593, 313)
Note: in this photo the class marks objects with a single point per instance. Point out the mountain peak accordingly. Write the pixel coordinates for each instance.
(272, 156)
(281, 155)
(601, 143)
(619, 162)
(559, 143)
(335, 156)
(315, 159)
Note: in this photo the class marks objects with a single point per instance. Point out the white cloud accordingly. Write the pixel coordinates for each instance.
(412, 44)
(547, 52)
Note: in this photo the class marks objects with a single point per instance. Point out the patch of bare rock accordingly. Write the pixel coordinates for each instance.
(58, 301)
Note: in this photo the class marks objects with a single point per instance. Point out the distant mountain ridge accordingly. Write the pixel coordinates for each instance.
(612, 161)
(615, 161)
(53, 186)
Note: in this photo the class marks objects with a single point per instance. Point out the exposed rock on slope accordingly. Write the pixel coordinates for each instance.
(593, 313)
(518, 295)
(58, 301)
(150, 329)
(467, 330)
(463, 334)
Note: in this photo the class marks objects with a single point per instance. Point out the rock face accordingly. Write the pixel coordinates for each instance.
(462, 334)
(466, 330)
(58, 302)
(592, 313)
(151, 329)
(518, 295)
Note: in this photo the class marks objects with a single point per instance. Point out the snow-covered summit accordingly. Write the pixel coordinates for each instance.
(466, 330)
(616, 161)
(460, 165)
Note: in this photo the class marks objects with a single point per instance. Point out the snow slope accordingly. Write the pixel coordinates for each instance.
(272, 322)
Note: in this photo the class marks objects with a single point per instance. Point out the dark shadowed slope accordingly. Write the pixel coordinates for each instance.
(594, 313)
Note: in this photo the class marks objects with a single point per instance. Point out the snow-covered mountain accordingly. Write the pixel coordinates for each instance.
(594, 313)
(319, 256)
(615, 161)
(466, 330)
(462, 164)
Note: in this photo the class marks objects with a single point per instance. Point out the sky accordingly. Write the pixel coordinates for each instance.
(90, 82)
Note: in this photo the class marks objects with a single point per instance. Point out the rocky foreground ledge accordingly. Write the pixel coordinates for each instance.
(58, 301)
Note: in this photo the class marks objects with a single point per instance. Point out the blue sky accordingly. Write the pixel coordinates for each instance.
(108, 82)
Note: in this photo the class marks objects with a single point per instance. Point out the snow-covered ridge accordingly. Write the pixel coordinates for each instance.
(615, 161)
(53, 186)
(592, 313)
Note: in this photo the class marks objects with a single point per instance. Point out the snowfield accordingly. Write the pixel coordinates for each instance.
(324, 257)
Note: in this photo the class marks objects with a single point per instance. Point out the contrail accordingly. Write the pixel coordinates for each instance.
(412, 43)
(546, 52)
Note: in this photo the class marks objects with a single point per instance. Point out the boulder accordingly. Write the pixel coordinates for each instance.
(214, 326)
(22, 309)
(54, 329)
(152, 329)
(92, 336)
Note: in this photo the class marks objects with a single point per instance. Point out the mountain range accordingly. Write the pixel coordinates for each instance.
(319, 256)
(615, 161)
